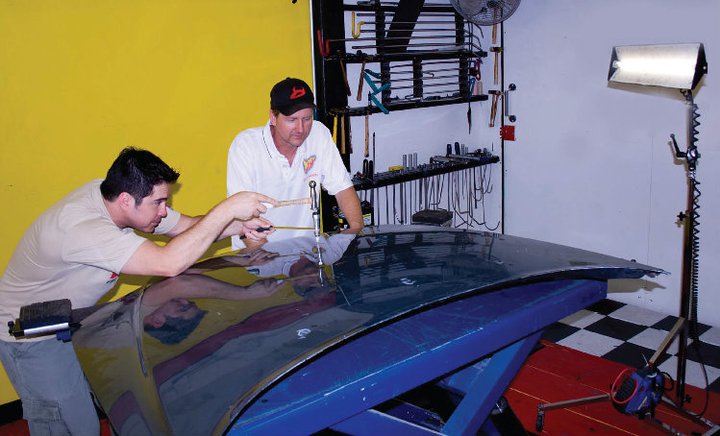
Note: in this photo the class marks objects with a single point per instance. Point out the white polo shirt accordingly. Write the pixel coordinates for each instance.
(255, 164)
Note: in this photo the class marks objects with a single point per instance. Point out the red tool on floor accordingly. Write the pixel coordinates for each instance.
(635, 392)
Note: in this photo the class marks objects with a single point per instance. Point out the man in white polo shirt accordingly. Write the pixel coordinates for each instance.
(282, 157)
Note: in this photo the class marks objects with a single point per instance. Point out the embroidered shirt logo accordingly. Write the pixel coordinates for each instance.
(113, 277)
(297, 93)
(308, 163)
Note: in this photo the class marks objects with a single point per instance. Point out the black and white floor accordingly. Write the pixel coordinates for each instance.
(630, 335)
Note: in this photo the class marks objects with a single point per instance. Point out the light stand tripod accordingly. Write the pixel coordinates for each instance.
(691, 243)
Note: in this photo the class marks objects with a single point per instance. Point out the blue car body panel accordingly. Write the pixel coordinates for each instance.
(304, 336)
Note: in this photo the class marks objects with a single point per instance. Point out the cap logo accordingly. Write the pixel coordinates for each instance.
(297, 93)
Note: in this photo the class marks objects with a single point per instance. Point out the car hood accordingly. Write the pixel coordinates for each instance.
(186, 355)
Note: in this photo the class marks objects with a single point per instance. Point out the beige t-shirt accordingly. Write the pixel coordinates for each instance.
(73, 250)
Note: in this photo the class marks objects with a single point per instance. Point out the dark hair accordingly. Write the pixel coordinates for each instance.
(136, 172)
(175, 330)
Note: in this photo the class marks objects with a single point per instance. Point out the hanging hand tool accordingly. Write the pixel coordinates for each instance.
(341, 60)
(427, 76)
(368, 170)
(361, 82)
(476, 75)
(497, 51)
(426, 63)
(368, 75)
(367, 132)
(355, 29)
(335, 124)
(494, 26)
(323, 46)
(449, 46)
(493, 107)
(407, 26)
(469, 115)
(341, 122)
(473, 84)
(470, 44)
(372, 164)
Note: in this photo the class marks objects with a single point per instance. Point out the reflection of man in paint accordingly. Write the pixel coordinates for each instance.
(298, 257)
(295, 259)
(173, 321)
(169, 314)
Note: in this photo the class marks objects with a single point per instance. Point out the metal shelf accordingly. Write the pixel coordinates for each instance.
(438, 165)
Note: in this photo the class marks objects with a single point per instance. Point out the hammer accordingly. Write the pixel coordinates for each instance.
(360, 82)
(497, 51)
(493, 108)
(494, 26)
(344, 74)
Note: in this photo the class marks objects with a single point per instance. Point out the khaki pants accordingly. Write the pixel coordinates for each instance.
(55, 396)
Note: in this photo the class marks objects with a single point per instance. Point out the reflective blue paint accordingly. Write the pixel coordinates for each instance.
(270, 341)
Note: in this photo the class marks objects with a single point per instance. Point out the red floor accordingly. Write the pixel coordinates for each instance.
(20, 428)
(556, 373)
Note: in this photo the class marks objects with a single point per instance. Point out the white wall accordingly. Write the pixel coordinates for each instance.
(592, 167)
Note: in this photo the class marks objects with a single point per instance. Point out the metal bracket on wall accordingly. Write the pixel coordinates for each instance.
(506, 103)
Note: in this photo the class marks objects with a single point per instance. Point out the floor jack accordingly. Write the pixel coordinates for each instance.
(636, 394)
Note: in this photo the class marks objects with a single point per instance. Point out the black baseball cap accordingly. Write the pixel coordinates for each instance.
(290, 95)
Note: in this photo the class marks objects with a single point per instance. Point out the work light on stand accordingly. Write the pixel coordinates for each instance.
(678, 66)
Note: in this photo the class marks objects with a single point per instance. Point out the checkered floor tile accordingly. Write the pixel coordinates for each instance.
(631, 335)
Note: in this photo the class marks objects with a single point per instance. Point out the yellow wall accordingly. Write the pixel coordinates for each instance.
(81, 79)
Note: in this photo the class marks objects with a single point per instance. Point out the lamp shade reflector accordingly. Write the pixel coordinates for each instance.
(678, 66)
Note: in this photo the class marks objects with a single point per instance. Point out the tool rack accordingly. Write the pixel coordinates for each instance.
(438, 165)
(391, 48)
(384, 56)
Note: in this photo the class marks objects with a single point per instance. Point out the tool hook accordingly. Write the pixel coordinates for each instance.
(323, 46)
(356, 30)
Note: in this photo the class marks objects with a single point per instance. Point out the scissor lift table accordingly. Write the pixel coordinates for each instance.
(472, 348)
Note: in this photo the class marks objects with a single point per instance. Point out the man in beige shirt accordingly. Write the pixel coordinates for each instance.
(77, 248)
